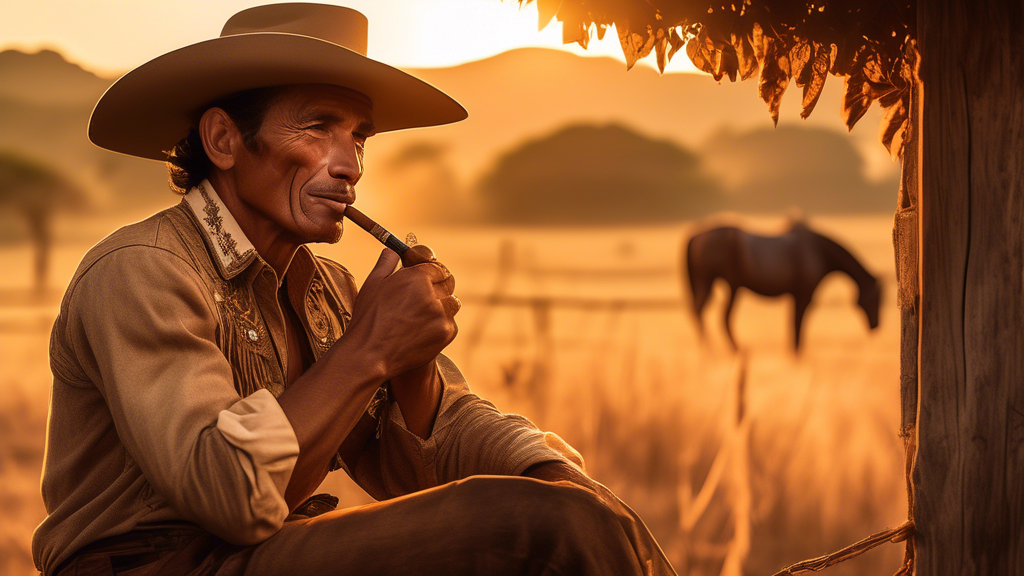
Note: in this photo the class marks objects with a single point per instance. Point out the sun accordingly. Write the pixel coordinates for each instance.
(108, 38)
(452, 32)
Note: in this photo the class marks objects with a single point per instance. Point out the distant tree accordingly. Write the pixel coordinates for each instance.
(422, 173)
(818, 169)
(587, 174)
(35, 192)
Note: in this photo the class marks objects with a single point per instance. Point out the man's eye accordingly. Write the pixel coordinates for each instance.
(315, 127)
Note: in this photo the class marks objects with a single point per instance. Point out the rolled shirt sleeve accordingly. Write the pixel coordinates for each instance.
(470, 437)
(144, 330)
(266, 449)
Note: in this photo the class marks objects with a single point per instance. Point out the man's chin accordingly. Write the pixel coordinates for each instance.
(333, 234)
(327, 234)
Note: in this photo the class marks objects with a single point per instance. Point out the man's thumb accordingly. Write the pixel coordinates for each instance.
(385, 265)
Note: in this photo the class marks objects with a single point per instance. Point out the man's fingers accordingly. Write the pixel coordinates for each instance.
(447, 284)
(439, 276)
(418, 254)
(385, 265)
(451, 304)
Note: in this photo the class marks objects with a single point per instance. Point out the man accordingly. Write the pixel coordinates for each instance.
(209, 370)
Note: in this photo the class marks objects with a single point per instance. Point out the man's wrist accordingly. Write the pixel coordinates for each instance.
(418, 393)
(359, 358)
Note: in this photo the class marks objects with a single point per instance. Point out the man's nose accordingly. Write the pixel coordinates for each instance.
(346, 162)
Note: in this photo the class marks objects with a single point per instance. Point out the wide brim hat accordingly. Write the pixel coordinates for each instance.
(148, 110)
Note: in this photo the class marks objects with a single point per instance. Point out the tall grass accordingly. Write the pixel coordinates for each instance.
(648, 404)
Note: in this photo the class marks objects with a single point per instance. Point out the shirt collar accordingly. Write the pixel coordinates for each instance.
(232, 251)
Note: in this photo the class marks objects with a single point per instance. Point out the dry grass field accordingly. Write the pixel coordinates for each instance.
(817, 463)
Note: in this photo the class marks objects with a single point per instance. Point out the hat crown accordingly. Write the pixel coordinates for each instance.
(155, 105)
(336, 24)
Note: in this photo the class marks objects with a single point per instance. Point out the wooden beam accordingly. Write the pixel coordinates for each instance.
(969, 472)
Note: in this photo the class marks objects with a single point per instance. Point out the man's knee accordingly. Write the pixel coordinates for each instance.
(558, 524)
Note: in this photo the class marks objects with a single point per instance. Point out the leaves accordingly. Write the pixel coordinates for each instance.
(660, 45)
(634, 45)
(580, 34)
(863, 41)
(575, 24)
(696, 52)
(702, 53)
(675, 42)
(546, 10)
(867, 83)
(894, 127)
(730, 63)
(775, 75)
(818, 74)
(843, 63)
(757, 40)
(799, 57)
(715, 58)
(745, 60)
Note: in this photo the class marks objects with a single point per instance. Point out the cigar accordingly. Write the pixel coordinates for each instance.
(376, 230)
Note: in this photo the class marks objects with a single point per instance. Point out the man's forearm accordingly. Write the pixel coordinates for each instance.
(323, 406)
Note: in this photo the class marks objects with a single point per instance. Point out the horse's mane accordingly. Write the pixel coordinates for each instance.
(841, 259)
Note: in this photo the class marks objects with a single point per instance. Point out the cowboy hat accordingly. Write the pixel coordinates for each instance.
(152, 107)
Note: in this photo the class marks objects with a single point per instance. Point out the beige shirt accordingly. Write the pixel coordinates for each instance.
(168, 355)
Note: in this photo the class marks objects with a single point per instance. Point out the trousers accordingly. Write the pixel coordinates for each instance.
(487, 525)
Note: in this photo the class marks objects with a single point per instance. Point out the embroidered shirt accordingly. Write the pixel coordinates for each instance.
(167, 357)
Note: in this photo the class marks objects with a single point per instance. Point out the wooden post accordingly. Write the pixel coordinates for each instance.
(538, 387)
(474, 335)
(905, 235)
(969, 471)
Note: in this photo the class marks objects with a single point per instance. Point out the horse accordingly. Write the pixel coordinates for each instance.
(793, 263)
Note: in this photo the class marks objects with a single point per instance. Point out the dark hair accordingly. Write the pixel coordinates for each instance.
(187, 162)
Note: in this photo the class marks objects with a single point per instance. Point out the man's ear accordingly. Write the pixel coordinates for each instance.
(221, 138)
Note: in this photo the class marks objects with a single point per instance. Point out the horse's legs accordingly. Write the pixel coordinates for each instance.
(728, 314)
(700, 290)
(800, 304)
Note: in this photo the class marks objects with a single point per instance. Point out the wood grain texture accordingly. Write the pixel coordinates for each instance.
(969, 474)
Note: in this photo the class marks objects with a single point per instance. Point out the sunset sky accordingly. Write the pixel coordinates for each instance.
(112, 36)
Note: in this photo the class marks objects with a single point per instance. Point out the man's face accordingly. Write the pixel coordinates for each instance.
(310, 156)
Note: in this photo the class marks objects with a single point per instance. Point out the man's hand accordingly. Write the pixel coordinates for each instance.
(417, 390)
(406, 317)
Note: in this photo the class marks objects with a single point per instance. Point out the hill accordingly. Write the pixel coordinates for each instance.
(513, 98)
(45, 103)
(47, 78)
